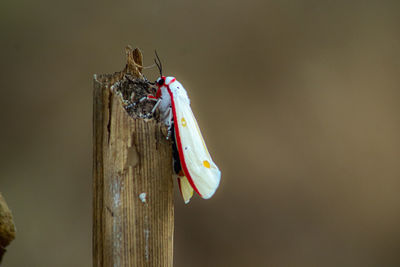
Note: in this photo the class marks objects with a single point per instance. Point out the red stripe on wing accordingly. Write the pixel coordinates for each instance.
(179, 143)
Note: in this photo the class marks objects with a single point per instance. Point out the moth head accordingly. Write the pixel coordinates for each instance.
(160, 81)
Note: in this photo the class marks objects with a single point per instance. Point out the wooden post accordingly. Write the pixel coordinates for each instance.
(133, 214)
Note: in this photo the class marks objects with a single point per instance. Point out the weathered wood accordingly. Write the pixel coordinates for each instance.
(133, 214)
(7, 228)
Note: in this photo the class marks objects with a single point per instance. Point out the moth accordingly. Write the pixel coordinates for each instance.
(193, 165)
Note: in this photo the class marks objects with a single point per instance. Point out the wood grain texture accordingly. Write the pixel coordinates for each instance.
(133, 216)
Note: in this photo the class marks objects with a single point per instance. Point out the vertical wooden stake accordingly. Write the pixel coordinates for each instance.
(133, 214)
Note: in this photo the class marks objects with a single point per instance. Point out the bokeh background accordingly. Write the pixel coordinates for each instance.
(298, 102)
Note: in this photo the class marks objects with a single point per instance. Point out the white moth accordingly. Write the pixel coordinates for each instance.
(194, 167)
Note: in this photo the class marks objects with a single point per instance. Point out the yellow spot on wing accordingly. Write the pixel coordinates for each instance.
(206, 164)
(183, 122)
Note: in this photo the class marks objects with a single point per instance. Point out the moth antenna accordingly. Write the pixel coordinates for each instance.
(159, 65)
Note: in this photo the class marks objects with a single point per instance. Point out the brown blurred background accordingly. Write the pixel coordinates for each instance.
(298, 102)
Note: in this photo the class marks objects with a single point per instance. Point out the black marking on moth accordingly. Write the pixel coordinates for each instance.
(175, 153)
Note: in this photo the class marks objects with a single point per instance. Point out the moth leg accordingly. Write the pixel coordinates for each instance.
(156, 106)
(151, 98)
(169, 122)
(130, 105)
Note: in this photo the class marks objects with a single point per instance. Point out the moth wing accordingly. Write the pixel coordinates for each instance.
(185, 188)
(203, 172)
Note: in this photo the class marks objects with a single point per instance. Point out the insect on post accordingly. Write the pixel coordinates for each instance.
(133, 216)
